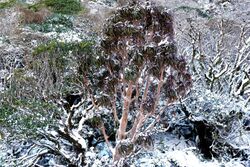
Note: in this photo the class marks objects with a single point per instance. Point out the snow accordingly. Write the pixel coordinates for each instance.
(67, 37)
(77, 137)
(164, 41)
(30, 2)
(189, 159)
(91, 158)
(169, 149)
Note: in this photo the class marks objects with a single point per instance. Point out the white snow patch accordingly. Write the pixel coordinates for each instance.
(69, 36)
(171, 150)
(187, 158)
(164, 41)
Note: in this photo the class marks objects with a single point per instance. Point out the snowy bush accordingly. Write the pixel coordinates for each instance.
(219, 65)
(139, 68)
(55, 23)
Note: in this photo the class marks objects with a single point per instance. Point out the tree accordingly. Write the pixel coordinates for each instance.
(139, 69)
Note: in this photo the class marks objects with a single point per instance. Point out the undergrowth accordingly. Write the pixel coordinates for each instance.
(68, 7)
(7, 4)
(24, 117)
(56, 23)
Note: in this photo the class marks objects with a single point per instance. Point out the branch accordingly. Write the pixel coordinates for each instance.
(106, 138)
(140, 115)
(216, 76)
(114, 107)
(124, 118)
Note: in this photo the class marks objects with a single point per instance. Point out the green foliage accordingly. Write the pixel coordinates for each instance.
(64, 6)
(63, 48)
(5, 111)
(23, 117)
(37, 6)
(58, 52)
(54, 52)
(139, 68)
(57, 23)
(67, 7)
(7, 4)
(58, 64)
(96, 121)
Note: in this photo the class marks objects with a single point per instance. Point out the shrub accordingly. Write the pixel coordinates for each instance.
(57, 22)
(23, 118)
(37, 6)
(139, 68)
(5, 111)
(7, 4)
(64, 6)
(38, 17)
(22, 113)
(54, 63)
